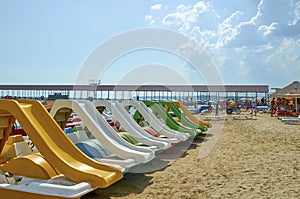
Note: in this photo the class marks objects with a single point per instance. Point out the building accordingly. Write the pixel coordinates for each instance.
(289, 97)
(152, 92)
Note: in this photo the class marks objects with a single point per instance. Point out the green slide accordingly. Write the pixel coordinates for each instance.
(184, 120)
(170, 122)
(139, 118)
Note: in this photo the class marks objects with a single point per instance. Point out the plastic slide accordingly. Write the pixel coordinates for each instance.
(189, 115)
(38, 180)
(170, 122)
(55, 147)
(127, 122)
(120, 152)
(184, 120)
(154, 122)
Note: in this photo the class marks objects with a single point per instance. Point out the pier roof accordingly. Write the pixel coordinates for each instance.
(191, 88)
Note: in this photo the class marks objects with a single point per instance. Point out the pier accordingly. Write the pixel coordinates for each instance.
(149, 92)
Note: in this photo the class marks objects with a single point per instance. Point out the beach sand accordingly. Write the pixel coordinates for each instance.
(257, 158)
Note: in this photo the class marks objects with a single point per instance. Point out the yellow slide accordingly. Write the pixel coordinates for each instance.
(55, 146)
(190, 115)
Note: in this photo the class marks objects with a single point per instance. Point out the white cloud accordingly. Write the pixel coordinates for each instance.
(182, 8)
(150, 19)
(258, 13)
(227, 31)
(268, 29)
(287, 46)
(188, 19)
(296, 13)
(200, 7)
(262, 48)
(285, 58)
(259, 42)
(156, 7)
(174, 19)
(185, 14)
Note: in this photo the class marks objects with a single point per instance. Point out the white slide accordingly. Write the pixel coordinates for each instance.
(127, 122)
(125, 154)
(154, 122)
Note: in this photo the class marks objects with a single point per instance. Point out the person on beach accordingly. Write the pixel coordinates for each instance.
(263, 101)
(273, 107)
(253, 108)
(217, 108)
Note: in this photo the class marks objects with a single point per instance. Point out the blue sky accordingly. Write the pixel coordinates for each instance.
(249, 42)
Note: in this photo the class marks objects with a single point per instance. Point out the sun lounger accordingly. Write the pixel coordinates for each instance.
(247, 117)
(214, 117)
(291, 120)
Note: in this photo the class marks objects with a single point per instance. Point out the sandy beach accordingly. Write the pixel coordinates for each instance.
(258, 158)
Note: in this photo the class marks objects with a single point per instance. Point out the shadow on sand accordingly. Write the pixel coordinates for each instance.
(136, 179)
(131, 183)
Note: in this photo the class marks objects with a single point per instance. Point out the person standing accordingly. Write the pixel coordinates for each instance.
(217, 108)
(273, 107)
(253, 107)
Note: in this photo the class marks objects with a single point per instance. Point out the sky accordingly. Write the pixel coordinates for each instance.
(248, 42)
